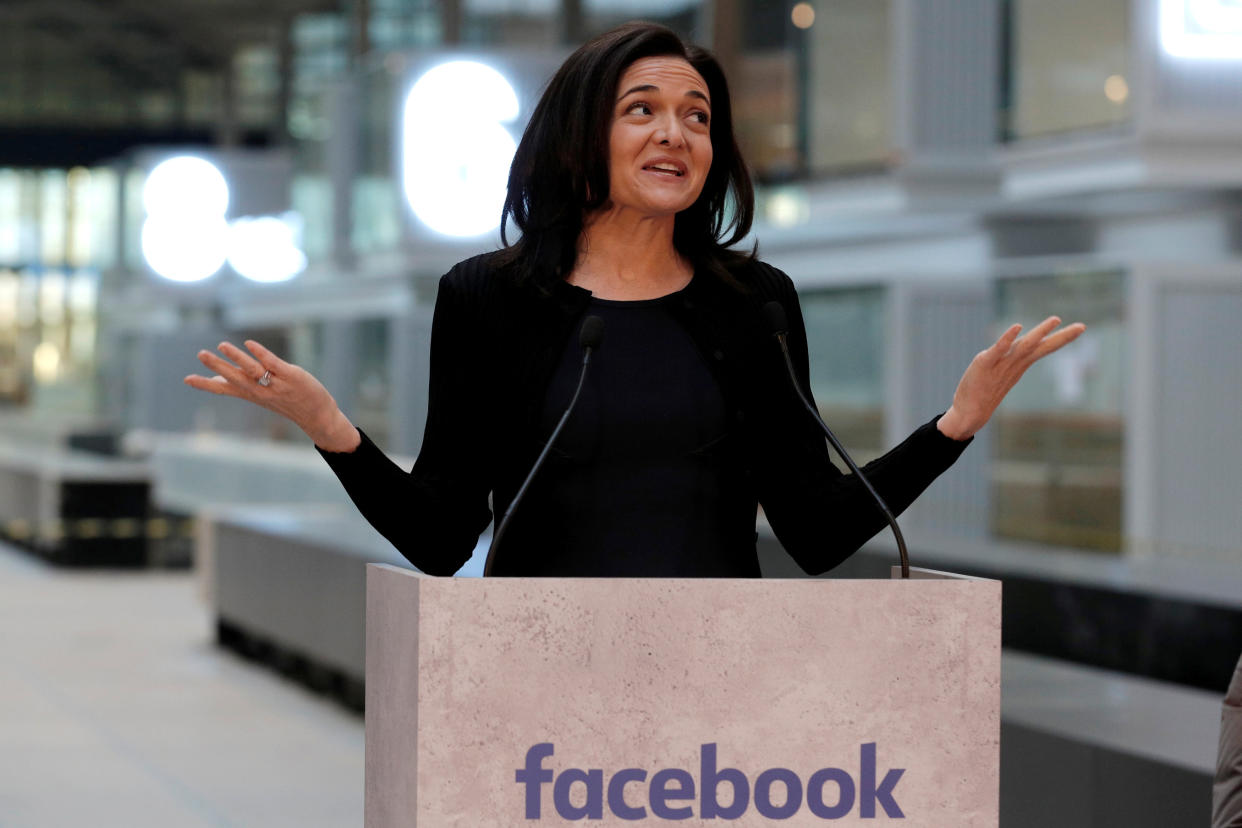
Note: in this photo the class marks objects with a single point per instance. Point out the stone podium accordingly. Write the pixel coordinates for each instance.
(500, 702)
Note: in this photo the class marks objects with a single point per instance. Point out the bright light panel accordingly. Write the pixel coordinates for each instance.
(265, 249)
(185, 236)
(185, 251)
(1202, 29)
(185, 185)
(456, 151)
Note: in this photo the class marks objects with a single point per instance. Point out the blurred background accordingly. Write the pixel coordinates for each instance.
(182, 575)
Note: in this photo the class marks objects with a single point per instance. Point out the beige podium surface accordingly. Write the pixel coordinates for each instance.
(546, 701)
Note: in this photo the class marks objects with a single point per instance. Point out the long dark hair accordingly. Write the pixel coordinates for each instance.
(560, 171)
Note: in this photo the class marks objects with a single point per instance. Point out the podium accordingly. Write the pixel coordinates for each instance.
(500, 702)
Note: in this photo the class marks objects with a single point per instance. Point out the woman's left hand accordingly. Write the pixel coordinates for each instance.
(996, 370)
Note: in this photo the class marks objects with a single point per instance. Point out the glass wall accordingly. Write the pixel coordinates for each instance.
(256, 74)
(682, 16)
(11, 218)
(320, 59)
(812, 90)
(511, 22)
(57, 229)
(48, 336)
(41, 82)
(1067, 66)
(767, 86)
(849, 94)
(376, 198)
(812, 87)
(132, 179)
(1056, 471)
(306, 345)
(397, 25)
(845, 335)
(94, 217)
(17, 320)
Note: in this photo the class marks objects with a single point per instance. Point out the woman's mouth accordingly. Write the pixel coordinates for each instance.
(664, 167)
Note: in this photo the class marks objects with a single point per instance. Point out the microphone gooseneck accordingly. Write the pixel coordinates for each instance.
(777, 323)
(589, 337)
(592, 333)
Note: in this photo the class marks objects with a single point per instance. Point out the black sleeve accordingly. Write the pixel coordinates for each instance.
(434, 513)
(820, 515)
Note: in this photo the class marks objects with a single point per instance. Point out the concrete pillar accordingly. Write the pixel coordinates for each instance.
(228, 129)
(284, 79)
(726, 34)
(339, 361)
(946, 74)
(409, 373)
(359, 30)
(342, 165)
(573, 25)
(451, 21)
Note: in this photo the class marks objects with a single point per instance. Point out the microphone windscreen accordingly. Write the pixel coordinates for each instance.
(592, 333)
(775, 314)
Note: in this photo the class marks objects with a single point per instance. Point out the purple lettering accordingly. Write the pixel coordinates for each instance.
(815, 793)
(661, 793)
(594, 781)
(670, 786)
(710, 779)
(534, 775)
(763, 793)
(616, 793)
(869, 794)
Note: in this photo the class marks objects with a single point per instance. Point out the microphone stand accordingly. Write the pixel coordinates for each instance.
(776, 317)
(590, 336)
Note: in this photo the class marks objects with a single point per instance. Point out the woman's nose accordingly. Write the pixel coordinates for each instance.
(670, 134)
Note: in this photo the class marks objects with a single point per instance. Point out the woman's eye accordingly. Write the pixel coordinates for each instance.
(701, 117)
(646, 110)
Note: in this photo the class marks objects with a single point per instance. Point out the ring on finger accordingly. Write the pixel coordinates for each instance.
(266, 379)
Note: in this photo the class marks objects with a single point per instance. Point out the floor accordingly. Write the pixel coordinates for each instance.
(116, 709)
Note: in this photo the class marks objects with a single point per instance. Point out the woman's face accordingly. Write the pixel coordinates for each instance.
(660, 146)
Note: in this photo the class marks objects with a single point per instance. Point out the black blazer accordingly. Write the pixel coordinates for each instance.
(494, 347)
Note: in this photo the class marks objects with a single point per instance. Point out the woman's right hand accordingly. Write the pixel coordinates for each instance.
(293, 392)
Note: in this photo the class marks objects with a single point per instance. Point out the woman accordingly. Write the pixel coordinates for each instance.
(629, 190)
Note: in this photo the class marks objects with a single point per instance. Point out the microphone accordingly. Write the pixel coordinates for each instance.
(779, 326)
(589, 337)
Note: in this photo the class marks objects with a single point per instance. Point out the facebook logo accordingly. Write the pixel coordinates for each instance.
(671, 793)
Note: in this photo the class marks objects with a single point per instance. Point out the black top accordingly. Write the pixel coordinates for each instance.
(495, 347)
(635, 484)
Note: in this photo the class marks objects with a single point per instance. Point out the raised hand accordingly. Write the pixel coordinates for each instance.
(291, 392)
(994, 371)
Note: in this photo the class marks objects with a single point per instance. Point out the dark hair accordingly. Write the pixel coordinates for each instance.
(560, 170)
